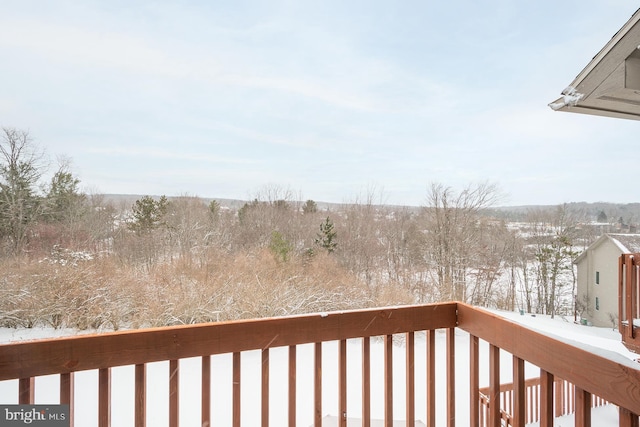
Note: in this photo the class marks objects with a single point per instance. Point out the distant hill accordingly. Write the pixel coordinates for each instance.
(626, 213)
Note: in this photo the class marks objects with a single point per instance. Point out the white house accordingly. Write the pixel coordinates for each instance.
(597, 287)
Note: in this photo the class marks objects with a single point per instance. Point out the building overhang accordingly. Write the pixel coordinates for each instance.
(610, 84)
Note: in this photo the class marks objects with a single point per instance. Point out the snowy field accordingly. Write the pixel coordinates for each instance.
(86, 387)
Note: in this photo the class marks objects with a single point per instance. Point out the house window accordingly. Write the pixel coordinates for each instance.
(597, 277)
(597, 303)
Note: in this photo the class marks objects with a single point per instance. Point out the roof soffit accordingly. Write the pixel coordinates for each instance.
(610, 84)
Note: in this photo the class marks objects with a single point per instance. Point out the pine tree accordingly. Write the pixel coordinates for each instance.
(148, 213)
(64, 199)
(326, 237)
(309, 207)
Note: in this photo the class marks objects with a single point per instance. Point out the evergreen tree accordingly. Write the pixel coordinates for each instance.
(309, 207)
(602, 217)
(214, 209)
(243, 212)
(63, 200)
(280, 246)
(148, 214)
(327, 237)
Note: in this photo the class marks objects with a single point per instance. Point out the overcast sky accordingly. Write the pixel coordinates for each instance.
(329, 99)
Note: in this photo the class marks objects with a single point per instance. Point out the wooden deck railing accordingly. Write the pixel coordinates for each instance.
(616, 380)
(629, 300)
(564, 401)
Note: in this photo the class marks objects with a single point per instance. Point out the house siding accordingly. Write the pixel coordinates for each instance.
(601, 258)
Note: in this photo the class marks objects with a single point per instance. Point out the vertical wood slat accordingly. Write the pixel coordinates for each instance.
(26, 391)
(265, 387)
(546, 399)
(537, 403)
(366, 382)
(104, 397)
(431, 378)
(206, 392)
(410, 394)
(627, 418)
(140, 395)
(474, 381)
(174, 393)
(629, 287)
(519, 393)
(494, 386)
(559, 408)
(451, 378)
(67, 389)
(388, 380)
(342, 383)
(583, 408)
(292, 385)
(621, 281)
(317, 385)
(236, 389)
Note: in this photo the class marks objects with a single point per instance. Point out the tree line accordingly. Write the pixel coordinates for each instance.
(182, 259)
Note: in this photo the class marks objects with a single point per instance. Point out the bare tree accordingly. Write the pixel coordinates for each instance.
(552, 236)
(20, 170)
(453, 234)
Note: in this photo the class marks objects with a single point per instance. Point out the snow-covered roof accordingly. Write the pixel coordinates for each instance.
(610, 84)
(626, 243)
(630, 242)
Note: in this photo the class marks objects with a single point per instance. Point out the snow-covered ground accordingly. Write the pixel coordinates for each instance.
(86, 388)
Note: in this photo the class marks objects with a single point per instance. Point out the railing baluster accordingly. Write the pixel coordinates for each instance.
(205, 401)
(571, 391)
(292, 385)
(633, 284)
(546, 399)
(366, 382)
(410, 396)
(627, 418)
(26, 391)
(236, 389)
(559, 398)
(104, 397)
(534, 410)
(451, 377)
(388, 380)
(431, 378)
(317, 382)
(140, 395)
(494, 386)
(265, 387)
(342, 383)
(67, 387)
(174, 393)
(519, 397)
(583, 408)
(474, 380)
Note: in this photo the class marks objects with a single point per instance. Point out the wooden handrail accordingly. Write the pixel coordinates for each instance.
(79, 353)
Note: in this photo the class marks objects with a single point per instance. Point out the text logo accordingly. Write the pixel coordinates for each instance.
(34, 415)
